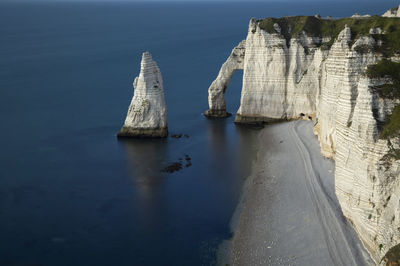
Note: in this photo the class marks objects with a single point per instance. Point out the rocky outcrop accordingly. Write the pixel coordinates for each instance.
(289, 75)
(147, 113)
(393, 12)
(216, 99)
(356, 15)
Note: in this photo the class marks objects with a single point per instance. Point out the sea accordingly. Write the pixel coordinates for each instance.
(71, 193)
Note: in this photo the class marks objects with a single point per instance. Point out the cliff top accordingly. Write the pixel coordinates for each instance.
(392, 257)
(317, 27)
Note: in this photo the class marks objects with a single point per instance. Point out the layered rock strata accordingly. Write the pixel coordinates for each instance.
(290, 76)
(278, 79)
(147, 113)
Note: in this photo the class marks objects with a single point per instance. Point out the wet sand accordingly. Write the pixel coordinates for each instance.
(289, 213)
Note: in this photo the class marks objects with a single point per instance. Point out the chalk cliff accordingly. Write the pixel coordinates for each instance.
(217, 89)
(393, 12)
(297, 67)
(147, 113)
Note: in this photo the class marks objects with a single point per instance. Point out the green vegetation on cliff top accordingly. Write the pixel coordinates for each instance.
(384, 69)
(392, 257)
(316, 27)
(390, 71)
(392, 125)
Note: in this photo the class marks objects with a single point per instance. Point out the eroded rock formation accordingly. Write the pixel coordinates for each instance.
(216, 99)
(147, 113)
(288, 74)
(278, 79)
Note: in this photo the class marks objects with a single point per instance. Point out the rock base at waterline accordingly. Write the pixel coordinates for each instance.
(255, 120)
(216, 113)
(127, 132)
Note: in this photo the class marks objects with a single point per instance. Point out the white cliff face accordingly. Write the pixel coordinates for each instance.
(367, 191)
(283, 81)
(147, 113)
(347, 131)
(278, 81)
(216, 99)
(394, 12)
(360, 16)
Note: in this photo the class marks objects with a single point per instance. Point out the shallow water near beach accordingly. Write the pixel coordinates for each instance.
(71, 193)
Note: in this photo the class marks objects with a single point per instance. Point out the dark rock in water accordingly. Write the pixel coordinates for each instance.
(177, 166)
(127, 132)
(255, 120)
(216, 113)
(174, 167)
(188, 160)
(178, 136)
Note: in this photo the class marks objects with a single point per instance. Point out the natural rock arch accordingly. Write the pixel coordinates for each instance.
(216, 91)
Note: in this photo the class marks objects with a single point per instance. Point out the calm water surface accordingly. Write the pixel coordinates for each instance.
(70, 192)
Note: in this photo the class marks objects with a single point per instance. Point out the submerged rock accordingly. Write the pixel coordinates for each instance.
(177, 166)
(147, 113)
(174, 167)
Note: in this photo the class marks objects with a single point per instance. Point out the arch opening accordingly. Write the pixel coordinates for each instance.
(216, 92)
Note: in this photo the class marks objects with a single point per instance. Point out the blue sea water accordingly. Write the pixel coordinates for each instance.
(70, 192)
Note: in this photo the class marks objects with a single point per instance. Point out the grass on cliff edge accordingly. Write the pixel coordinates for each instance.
(389, 70)
(391, 90)
(392, 125)
(316, 27)
(392, 257)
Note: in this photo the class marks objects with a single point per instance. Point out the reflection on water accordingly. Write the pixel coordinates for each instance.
(144, 159)
(70, 194)
(232, 146)
(231, 150)
(217, 139)
(247, 146)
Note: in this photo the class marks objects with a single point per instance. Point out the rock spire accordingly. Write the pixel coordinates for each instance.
(147, 113)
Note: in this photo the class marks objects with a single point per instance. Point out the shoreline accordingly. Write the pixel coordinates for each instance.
(224, 256)
(288, 212)
(224, 249)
